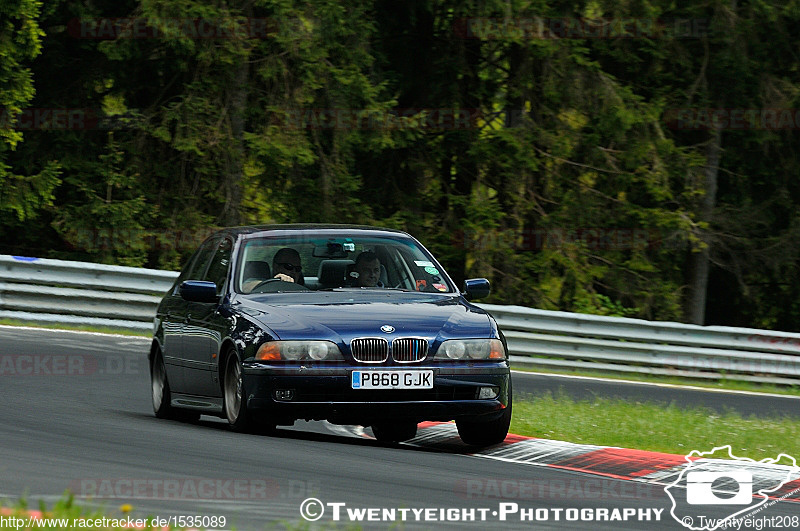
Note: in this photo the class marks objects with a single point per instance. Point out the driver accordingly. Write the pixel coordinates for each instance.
(286, 265)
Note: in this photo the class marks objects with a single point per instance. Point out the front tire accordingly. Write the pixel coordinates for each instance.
(235, 400)
(233, 393)
(394, 432)
(485, 433)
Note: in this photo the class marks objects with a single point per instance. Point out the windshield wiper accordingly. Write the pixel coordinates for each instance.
(362, 290)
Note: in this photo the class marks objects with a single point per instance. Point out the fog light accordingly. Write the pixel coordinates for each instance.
(284, 395)
(488, 392)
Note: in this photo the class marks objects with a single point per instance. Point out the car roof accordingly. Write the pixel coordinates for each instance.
(291, 227)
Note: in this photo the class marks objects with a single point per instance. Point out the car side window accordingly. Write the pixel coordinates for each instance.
(218, 270)
(201, 260)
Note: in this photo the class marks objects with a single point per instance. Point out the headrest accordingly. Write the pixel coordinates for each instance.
(332, 273)
(256, 269)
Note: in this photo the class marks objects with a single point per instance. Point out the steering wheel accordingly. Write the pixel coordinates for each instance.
(265, 282)
(281, 286)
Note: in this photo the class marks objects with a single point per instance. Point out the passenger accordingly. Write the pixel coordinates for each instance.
(286, 265)
(368, 270)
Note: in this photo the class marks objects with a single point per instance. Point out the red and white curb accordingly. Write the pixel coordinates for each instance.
(654, 468)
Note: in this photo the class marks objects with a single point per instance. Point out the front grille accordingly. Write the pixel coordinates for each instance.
(409, 350)
(370, 349)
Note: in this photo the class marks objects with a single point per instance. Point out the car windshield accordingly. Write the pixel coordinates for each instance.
(272, 264)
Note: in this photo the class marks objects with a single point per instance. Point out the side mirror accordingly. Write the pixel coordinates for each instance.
(199, 291)
(476, 288)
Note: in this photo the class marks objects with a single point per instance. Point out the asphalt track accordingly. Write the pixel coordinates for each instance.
(77, 416)
(581, 388)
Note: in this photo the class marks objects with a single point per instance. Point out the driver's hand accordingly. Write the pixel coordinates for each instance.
(285, 278)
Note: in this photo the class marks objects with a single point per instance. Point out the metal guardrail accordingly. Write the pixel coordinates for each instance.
(46, 291)
(566, 340)
(63, 292)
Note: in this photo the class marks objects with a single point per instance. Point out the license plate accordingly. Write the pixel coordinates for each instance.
(392, 380)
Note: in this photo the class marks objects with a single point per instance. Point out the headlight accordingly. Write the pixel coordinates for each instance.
(471, 349)
(299, 351)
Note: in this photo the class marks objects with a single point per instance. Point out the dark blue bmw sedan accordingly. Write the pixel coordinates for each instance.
(354, 325)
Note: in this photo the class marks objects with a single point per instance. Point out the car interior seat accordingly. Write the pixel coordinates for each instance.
(256, 269)
(332, 273)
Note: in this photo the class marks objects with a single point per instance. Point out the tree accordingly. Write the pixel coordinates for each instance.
(20, 42)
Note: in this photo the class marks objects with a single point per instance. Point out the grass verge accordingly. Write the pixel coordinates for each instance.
(645, 426)
(722, 384)
(81, 328)
(66, 514)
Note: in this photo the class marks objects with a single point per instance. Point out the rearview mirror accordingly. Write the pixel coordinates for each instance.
(333, 249)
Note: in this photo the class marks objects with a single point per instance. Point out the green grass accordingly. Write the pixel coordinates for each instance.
(722, 384)
(647, 426)
(82, 328)
(67, 509)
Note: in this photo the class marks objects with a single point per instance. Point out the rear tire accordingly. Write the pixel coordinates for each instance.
(485, 433)
(162, 397)
(159, 387)
(394, 432)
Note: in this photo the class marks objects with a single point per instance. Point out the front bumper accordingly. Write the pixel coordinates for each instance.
(326, 394)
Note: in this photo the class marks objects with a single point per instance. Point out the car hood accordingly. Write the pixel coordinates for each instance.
(343, 316)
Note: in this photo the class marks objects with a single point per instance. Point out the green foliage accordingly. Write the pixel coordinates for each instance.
(110, 214)
(568, 185)
(20, 43)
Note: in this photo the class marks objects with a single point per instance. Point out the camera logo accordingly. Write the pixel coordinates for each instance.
(730, 487)
(712, 488)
